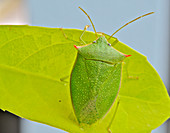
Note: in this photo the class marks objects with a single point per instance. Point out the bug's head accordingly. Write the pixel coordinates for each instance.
(101, 50)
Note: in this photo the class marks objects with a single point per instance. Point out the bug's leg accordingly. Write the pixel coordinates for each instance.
(113, 117)
(101, 33)
(85, 28)
(67, 37)
(115, 42)
(63, 33)
(133, 77)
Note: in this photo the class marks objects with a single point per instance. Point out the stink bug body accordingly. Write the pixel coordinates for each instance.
(96, 78)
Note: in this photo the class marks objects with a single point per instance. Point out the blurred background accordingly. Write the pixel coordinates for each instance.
(149, 35)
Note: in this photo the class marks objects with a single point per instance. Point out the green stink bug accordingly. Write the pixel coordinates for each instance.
(96, 78)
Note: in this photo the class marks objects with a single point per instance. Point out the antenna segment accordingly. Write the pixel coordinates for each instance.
(130, 22)
(90, 21)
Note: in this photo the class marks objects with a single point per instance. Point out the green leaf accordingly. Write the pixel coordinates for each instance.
(35, 68)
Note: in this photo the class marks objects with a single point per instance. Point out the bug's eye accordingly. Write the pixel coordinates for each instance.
(94, 41)
(109, 44)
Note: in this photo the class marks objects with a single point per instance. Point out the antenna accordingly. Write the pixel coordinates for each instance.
(130, 22)
(90, 21)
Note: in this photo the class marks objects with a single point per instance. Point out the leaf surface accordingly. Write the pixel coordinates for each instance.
(35, 69)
